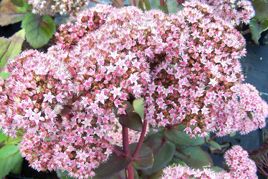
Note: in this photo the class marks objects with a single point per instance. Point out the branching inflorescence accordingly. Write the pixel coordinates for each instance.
(186, 67)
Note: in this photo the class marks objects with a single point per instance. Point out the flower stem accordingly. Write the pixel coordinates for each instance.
(162, 2)
(129, 169)
(133, 3)
(125, 140)
(141, 139)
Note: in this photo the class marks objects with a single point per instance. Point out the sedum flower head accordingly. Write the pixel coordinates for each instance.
(68, 100)
(237, 159)
(233, 11)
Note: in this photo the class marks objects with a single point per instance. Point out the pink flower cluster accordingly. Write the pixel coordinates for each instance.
(240, 166)
(244, 111)
(68, 100)
(233, 11)
(69, 34)
(40, 99)
(199, 73)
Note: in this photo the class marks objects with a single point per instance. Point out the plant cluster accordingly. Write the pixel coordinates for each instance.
(127, 89)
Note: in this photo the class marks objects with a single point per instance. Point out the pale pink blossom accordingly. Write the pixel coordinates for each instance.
(237, 159)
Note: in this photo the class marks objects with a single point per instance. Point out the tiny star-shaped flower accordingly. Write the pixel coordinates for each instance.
(48, 97)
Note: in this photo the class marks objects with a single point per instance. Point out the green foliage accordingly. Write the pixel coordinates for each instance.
(19, 3)
(259, 23)
(163, 151)
(138, 105)
(63, 175)
(213, 145)
(10, 158)
(261, 9)
(170, 6)
(194, 157)
(131, 120)
(257, 27)
(12, 11)
(163, 155)
(112, 166)
(179, 137)
(39, 29)
(10, 48)
(145, 157)
(144, 5)
(4, 75)
(173, 6)
(135, 113)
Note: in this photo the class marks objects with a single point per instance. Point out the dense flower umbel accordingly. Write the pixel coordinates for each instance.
(39, 98)
(68, 100)
(241, 110)
(233, 11)
(193, 58)
(198, 73)
(51, 7)
(69, 34)
(240, 166)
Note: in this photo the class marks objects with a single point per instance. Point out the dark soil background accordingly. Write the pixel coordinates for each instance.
(255, 67)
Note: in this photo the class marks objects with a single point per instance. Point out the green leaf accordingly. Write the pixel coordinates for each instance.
(19, 3)
(113, 165)
(131, 120)
(147, 4)
(156, 5)
(144, 5)
(155, 141)
(145, 157)
(213, 145)
(9, 159)
(138, 105)
(18, 167)
(177, 161)
(4, 75)
(63, 175)
(257, 27)
(179, 137)
(10, 48)
(261, 9)
(163, 156)
(164, 8)
(39, 29)
(173, 6)
(232, 134)
(120, 175)
(3, 137)
(194, 157)
(10, 13)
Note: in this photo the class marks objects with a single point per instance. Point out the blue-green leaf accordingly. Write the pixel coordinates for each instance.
(39, 29)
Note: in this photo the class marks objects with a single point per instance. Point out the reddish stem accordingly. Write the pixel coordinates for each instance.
(141, 139)
(130, 169)
(162, 2)
(133, 3)
(125, 140)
